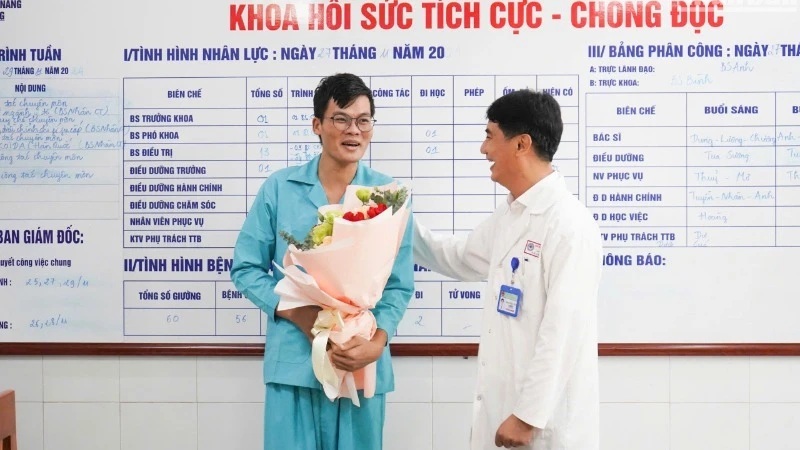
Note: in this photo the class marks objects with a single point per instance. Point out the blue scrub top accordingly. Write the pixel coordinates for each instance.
(288, 200)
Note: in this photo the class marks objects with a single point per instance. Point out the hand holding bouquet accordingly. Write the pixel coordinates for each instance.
(347, 259)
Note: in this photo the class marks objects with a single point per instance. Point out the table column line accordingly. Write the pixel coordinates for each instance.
(494, 97)
(368, 151)
(246, 141)
(288, 117)
(453, 157)
(411, 135)
(775, 161)
(246, 168)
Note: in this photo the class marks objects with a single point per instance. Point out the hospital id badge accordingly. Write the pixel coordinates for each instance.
(509, 301)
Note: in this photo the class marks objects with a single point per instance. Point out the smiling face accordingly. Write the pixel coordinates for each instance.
(501, 152)
(348, 146)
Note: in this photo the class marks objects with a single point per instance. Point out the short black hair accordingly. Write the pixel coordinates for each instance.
(536, 114)
(343, 88)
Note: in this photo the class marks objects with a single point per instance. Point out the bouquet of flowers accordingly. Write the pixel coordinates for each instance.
(346, 260)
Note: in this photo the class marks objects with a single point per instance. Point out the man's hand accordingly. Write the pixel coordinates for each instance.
(358, 352)
(302, 317)
(514, 433)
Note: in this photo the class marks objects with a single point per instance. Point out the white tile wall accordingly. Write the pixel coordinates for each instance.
(25, 374)
(30, 423)
(412, 426)
(230, 426)
(84, 425)
(454, 379)
(74, 379)
(771, 426)
(178, 403)
(230, 379)
(633, 379)
(634, 426)
(709, 380)
(767, 376)
(710, 426)
(156, 426)
(413, 380)
(451, 425)
(172, 380)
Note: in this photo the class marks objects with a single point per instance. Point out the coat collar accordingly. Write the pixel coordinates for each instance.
(539, 197)
(536, 200)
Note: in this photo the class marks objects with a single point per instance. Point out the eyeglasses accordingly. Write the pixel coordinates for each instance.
(342, 122)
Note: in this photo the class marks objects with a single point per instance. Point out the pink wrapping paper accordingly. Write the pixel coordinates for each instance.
(346, 278)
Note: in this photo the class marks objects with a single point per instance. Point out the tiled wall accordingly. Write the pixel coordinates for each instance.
(171, 403)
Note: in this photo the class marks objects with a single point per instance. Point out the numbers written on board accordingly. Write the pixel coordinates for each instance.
(67, 282)
(173, 318)
(53, 321)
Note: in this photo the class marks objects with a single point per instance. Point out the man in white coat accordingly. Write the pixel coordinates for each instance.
(541, 252)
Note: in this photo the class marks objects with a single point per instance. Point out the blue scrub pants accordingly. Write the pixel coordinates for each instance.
(297, 418)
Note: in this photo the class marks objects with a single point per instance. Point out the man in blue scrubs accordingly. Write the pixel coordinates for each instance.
(298, 415)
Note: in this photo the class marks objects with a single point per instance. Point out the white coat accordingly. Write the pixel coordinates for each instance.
(541, 365)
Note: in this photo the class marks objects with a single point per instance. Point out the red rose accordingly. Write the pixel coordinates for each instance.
(375, 210)
(353, 216)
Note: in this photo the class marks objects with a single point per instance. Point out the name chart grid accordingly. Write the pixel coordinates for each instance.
(710, 169)
(429, 131)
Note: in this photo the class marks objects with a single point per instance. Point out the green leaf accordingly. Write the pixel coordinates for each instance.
(395, 199)
(306, 245)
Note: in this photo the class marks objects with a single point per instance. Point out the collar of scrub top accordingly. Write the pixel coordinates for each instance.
(307, 175)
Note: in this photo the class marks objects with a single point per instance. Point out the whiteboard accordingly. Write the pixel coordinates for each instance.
(134, 136)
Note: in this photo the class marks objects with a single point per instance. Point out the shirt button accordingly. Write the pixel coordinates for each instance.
(490, 331)
(480, 397)
(483, 363)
